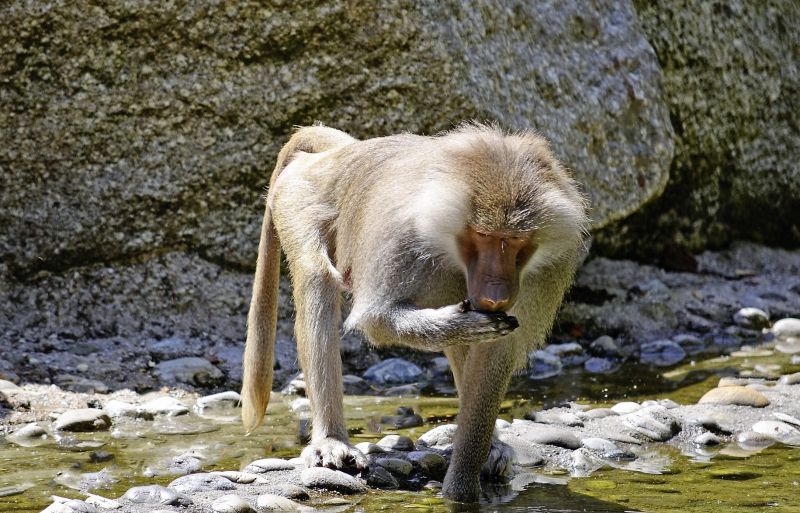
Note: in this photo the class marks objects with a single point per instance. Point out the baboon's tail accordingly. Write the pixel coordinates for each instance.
(263, 316)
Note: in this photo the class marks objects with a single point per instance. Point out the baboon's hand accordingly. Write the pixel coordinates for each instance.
(485, 325)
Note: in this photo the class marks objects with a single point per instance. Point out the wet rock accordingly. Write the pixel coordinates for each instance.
(751, 318)
(708, 423)
(597, 413)
(273, 502)
(232, 504)
(789, 346)
(29, 435)
(238, 477)
(396, 466)
(625, 407)
(165, 405)
(739, 395)
(84, 419)
(355, 385)
(182, 464)
(562, 418)
(379, 477)
(405, 418)
(190, 370)
(690, 343)
(268, 465)
(102, 502)
(80, 384)
(440, 437)
(8, 385)
(85, 481)
(597, 365)
(431, 464)
(117, 409)
(62, 505)
(393, 371)
(754, 441)
(218, 402)
(156, 494)
(194, 483)
(604, 346)
(706, 439)
(370, 448)
(654, 423)
(582, 463)
(301, 405)
(780, 431)
(396, 443)
(605, 448)
(544, 434)
(296, 386)
(571, 353)
(661, 353)
(100, 456)
(412, 389)
(334, 480)
(290, 491)
(794, 421)
(542, 365)
(786, 328)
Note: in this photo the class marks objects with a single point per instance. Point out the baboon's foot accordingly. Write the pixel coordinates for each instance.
(334, 454)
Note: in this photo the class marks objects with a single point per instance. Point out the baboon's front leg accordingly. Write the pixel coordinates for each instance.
(317, 328)
(484, 379)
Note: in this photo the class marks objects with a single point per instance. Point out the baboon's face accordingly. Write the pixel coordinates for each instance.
(494, 262)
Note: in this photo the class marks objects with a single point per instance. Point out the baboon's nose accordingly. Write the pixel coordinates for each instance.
(495, 298)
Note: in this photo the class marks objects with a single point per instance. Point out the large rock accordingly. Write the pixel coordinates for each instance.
(139, 127)
(732, 81)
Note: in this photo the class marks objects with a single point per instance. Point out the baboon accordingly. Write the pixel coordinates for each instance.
(463, 243)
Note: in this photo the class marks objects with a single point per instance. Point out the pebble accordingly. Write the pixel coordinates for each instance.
(787, 418)
(600, 445)
(268, 465)
(290, 491)
(655, 423)
(706, 439)
(780, 431)
(28, 435)
(370, 448)
(440, 437)
(432, 464)
(796, 359)
(405, 418)
(751, 318)
(597, 413)
(571, 353)
(544, 434)
(583, 463)
(334, 480)
(301, 405)
(273, 502)
(598, 365)
(786, 328)
(661, 353)
(238, 477)
(753, 440)
(379, 477)
(156, 494)
(182, 464)
(393, 371)
(788, 347)
(165, 405)
(396, 466)
(626, 407)
(355, 385)
(742, 382)
(194, 483)
(565, 419)
(69, 506)
(232, 504)
(222, 401)
(8, 385)
(102, 502)
(117, 409)
(739, 395)
(396, 443)
(83, 419)
(604, 346)
(790, 379)
(190, 370)
(708, 423)
(542, 365)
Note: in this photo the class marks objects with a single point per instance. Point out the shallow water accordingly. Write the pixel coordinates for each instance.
(703, 482)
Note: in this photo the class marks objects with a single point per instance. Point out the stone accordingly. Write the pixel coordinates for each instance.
(787, 418)
(102, 502)
(165, 405)
(393, 371)
(156, 494)
(8, 385)
(273, 502)
(355, 385)
(751, 318)
(544, 434)
(708, 423)
(562, 418)
(543, 365)
(290, 491)
(117, 409)
(190, 370)
(706, 439)
(333, 480)
(28, 435)
(301, 405)
(440, 437)
(601, 445)
(786, 328)
(232, 503)
(582, 463)
(70, 506)
(379, 477)
(625, 407)
(597, 365)
(221, 401)
(84, 419)
(194, 483)
(597, 413)
(754, 441)
(661, 353)
(370, 448)
(396, 443)
(432, 464)
(780, 431)
(237, 477)
(395, 466)
(690, 343)
(268, 465)
(653, 423)
(739, 395)
(604, 346)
